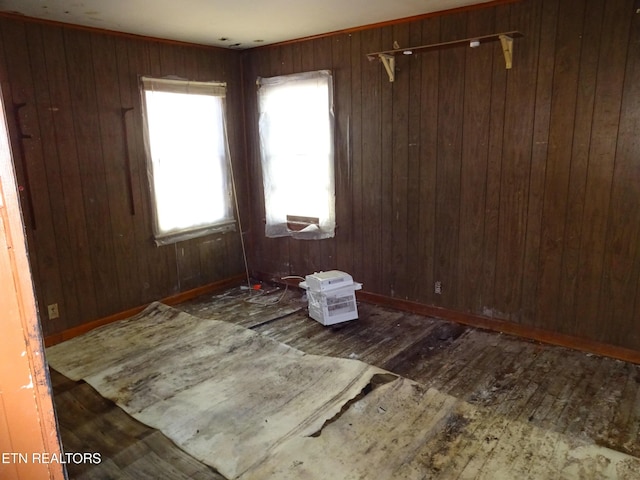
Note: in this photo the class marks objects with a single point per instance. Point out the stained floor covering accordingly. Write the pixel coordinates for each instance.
(555, 390)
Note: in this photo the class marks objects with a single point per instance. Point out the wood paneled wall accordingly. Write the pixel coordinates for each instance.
(518, 189)
(89, 234)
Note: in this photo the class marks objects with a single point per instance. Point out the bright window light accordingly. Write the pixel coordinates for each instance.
(188, 165)
(296, 139)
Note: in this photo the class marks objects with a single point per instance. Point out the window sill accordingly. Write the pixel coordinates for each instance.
(175, 237)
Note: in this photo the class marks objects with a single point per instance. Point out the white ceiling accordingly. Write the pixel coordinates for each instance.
(230, 23)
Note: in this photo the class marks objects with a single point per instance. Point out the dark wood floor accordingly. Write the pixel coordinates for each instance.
(128, 449)
(551, 387)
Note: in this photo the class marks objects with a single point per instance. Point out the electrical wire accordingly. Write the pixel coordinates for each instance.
(235, 199)
(252, 298)
(288, 277)
(267, 302)
(271, 301)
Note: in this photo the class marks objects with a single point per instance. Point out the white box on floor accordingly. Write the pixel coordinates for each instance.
(331, 297)
(323, 281)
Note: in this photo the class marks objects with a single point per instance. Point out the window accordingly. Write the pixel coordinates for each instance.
(187, 158)
(296, 140)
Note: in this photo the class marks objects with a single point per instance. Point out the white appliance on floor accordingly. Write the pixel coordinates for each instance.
(331, 296)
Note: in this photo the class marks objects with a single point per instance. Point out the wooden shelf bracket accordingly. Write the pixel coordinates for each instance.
(507, 49)
(388, 57)
(389, 62)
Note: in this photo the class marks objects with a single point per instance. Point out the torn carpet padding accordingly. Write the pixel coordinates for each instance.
(254, 408)
(225, 394)
(403, 430)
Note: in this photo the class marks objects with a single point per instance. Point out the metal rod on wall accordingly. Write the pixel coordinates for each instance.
(26, 188)
(127, 160)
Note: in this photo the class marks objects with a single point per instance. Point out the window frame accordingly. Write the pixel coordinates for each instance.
(228, 221)
(277, 224)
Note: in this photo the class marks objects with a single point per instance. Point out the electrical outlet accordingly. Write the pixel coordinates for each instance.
(437, 288)
(53, 311)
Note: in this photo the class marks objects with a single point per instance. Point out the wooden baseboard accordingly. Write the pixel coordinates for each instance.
(487, 323)
(172, 300)
(502, 326)
(472, 320)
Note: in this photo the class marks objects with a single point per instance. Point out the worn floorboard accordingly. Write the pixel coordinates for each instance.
(128, 449)
(528, 395)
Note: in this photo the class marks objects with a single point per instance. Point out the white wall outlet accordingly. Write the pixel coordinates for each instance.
(437, 287)
(53, 311)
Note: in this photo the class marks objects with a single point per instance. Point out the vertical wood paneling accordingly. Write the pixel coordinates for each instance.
(413, 274)
(494, 170)
(90, 252)
(367, 154)
(187, 256)
(383, 275)
(606, 115)
(18, 167)
(622, 253)
(355, 151)
(450, 114)
(558, 164)
(397, 267)
(53, 172)
(73, 209)
(589, 55)
(109, 118)
(84, 102)
(154, 282)
(252, 68)
(540, 148)
(517, 189)
(228, 68)
(474, 157)
(128, 54)
(514, 188)
(426, 232)
(38, 218)
(516, 159)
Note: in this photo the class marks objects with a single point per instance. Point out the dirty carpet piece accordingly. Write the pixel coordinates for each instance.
(225, 394)
(402, 430)
(247, 309)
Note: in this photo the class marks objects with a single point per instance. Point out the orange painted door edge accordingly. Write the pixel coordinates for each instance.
(30, 447)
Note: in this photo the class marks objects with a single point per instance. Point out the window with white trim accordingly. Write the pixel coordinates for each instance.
(296, 143)
(187, 157)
